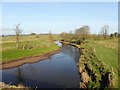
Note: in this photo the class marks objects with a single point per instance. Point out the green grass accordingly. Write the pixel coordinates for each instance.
(109, 56)
(41, 45)
(106, 52)
(13, 54)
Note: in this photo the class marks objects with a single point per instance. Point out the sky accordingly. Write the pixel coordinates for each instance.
(58, 17)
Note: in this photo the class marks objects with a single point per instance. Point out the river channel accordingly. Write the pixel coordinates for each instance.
(59, 71)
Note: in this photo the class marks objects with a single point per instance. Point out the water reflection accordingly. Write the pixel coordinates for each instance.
(59, 70)
(73, 52)
(19, 76)
(58, 43)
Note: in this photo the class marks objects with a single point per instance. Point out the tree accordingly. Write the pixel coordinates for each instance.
(115, 34)
(33, 34)
(104, 30)
(82, 30)
(17, 32)
(111, 35)
(86, 29)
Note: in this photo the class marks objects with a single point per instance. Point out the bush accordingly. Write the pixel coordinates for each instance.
(33, 34)
(78, 41)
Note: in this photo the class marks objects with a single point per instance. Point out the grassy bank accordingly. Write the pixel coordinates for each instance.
(38, 44)
(98, 63)
(101, 58)
(107, 52)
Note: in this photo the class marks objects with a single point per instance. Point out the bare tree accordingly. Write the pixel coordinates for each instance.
(17, 32)
(104, 30)
(86, 29)
(82, 30)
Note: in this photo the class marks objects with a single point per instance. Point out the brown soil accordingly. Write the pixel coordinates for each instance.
(4, 86)
(29, 60)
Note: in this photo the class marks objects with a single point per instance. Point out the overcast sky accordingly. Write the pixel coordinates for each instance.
(42, 17)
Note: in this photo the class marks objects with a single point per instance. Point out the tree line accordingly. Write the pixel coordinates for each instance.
(80, 34)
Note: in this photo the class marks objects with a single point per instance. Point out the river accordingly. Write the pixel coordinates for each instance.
(59, 71)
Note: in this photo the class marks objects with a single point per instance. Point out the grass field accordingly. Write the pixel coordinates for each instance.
(40, 43)
(106, 53)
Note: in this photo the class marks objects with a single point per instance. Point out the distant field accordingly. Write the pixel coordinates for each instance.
(40, 44)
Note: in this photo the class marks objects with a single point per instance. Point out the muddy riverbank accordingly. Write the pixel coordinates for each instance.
(29, 60)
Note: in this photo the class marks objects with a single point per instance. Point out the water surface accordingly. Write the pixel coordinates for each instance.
(59, 71)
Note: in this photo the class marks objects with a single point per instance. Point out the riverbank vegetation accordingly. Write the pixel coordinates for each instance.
(28, 45)
(101, 64)
(98, 64)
